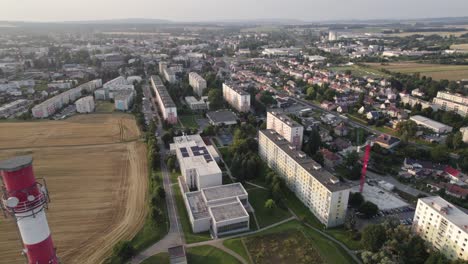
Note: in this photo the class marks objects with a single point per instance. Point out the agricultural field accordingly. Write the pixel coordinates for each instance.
(360, 71)
(436, 71)
(460, 47)
(440, 33)
(96, 174)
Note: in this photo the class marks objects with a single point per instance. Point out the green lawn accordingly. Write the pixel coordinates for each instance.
(151, 231)
(189, 120)
(174, 175)
(329, 251)
(359, 71)
(190, 237)
(209, 255)
(104, 107)
(161, 258)
(344, 236)
(265, 216)
(237, 246)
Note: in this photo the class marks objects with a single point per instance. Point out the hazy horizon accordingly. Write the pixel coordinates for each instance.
(218, 10)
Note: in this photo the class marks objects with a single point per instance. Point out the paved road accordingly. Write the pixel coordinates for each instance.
(403, 187)
(175, 235)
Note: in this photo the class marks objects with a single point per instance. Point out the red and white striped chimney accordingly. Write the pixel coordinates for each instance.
(26, 199)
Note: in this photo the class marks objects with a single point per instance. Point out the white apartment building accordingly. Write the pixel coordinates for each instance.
(14, 108)
(52, 105)
(123, 100)
(164, 100)
(236, 97)
(219, 209)
(60, 85)
(292, 131)
(324, 194)
(169, 75)
(85, 105)
(195, 104)
(197, 82)
(412, 101)
(452, 102)
(197, 165)
(442, 225)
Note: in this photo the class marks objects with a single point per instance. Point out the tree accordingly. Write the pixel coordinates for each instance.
(436, 257)
(369, 209)
(457, 140)
(440, 153)
(407, 129)
(124, 250)
(170, 163)
(373, 237)
(313, 144)
(160, 192)
(270, 204)
(356, 200)
(215, 97)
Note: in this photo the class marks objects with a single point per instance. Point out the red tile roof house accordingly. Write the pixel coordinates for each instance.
(330, 159)
(450, 189)
(455, 176)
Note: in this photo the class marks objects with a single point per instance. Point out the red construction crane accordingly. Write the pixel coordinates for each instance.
(365, 160)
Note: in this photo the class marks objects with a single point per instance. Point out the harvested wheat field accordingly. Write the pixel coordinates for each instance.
(97, 179)
(435, 71)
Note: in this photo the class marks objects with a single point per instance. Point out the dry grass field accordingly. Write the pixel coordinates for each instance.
(96, 173)
(436, 71)
(460, 47)
(440, 33)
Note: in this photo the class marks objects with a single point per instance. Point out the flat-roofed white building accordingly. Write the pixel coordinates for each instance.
(291, 130)
(452, 102)
(197, 82)
(219, 209)
(236, 97)
(123, 100)
(442, 225)
(169, 75)
(195, 104)
(464, 131)
(324, 194)
(165, 102)
(85, 105)
(435, 126)
(13, 108)
(197, 165)
(412, 101)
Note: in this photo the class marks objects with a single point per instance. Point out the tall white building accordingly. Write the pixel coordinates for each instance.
(197, 165)
(324, 194)
(236, 97)
(85, 105)
(165, 102)
(442, 225)
(332, 36)
(169, 75)
(197, 82)
(286, 127)
(452, 102)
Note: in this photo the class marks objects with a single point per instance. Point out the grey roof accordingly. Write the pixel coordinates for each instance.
(286, 119)
(177, 251)
(228, 211)
(223, 191)
(16, 163)
(328, 180)
(221, 116)
(163, 93)
(197, 204)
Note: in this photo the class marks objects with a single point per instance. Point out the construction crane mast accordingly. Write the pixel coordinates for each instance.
(365, 161)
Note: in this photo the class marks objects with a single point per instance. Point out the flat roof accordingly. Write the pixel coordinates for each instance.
(328, 180)
(228, 211)
(384, 199)
(448, 210)
(162, 92)
(428, 122)
(197, 205)
(222, 116)
(176, 252)
(236, 89)
(194, 154)
(284, 118)
(223, 191)
(16, 163)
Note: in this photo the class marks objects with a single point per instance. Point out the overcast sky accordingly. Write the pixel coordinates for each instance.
(208, 10)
